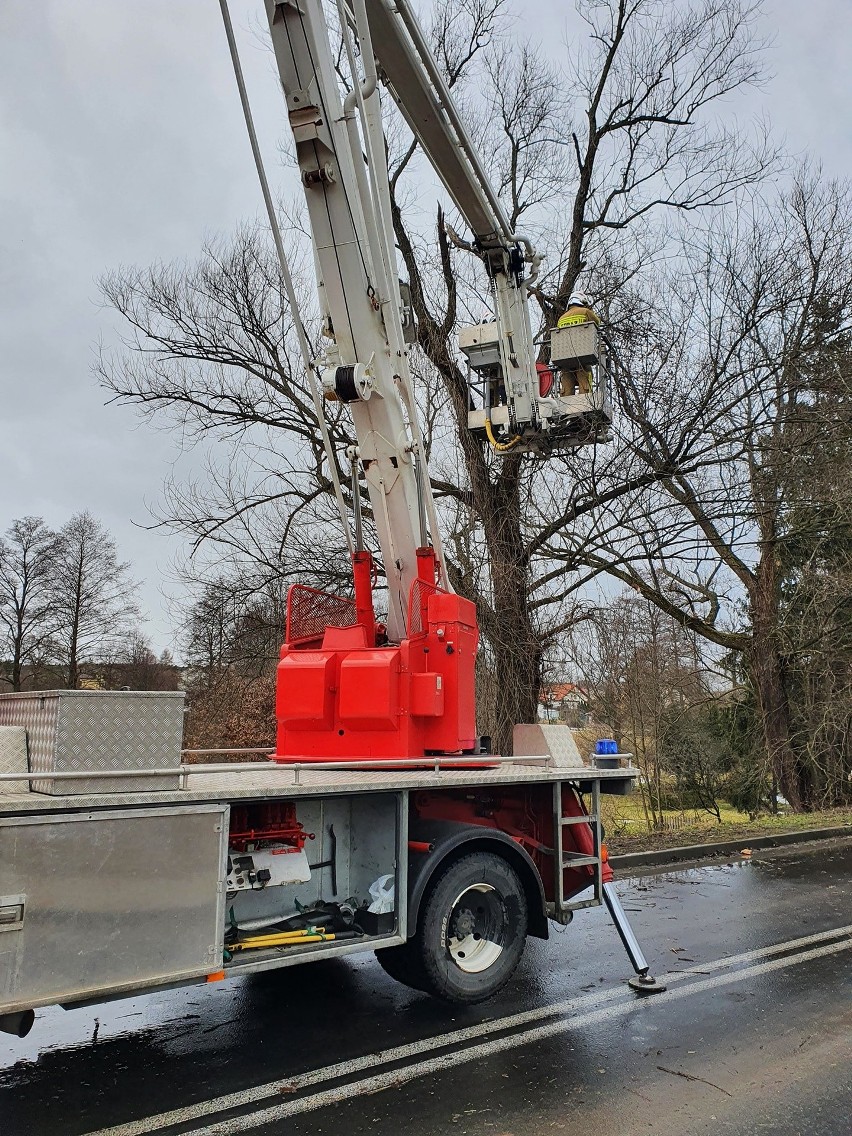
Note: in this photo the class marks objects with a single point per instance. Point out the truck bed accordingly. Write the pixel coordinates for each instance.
(203, 784)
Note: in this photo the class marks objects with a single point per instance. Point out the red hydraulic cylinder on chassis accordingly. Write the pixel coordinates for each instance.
(362, 572)
(342, 696)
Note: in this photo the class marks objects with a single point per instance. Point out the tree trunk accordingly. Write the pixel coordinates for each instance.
(768, 674)
(517, 658)
(74, 640)
(516, 647)
(17, 659)
(73, 676)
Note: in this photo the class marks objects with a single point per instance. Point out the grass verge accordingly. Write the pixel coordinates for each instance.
(625, 837)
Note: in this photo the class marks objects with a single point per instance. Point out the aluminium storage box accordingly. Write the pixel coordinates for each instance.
(481, 344)
(98, 731)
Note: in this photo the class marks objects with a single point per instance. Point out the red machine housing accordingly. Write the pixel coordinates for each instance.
(342, 696)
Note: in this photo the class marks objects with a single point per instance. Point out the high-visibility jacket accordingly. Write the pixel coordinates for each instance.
(579, 378)
(578, 314)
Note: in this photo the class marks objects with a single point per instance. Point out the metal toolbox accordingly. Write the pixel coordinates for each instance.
(99, 903)
(575, 345)
(98, 731)
(481, 344)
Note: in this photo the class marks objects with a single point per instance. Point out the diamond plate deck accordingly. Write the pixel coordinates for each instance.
(13, 757)
(280, 781)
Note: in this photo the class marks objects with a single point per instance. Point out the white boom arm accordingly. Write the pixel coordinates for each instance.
(529, 411)
(365, 362)
(413, 78)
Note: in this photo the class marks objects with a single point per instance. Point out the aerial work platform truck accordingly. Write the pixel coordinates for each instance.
(383, 820)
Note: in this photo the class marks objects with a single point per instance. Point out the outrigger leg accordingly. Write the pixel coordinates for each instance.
(643, 982)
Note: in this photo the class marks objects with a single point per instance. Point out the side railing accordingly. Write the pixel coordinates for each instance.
(437, 763)
(310, 612)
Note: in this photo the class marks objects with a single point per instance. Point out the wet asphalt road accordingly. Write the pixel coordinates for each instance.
(754, 1034)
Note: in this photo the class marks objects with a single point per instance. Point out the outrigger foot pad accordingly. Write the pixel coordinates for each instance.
(646, 984)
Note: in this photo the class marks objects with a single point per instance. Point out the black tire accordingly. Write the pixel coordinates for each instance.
(472, 929)
(404, 964)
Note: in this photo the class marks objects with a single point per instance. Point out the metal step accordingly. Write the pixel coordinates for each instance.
(564, 860)
(575, 860)
(579, 904)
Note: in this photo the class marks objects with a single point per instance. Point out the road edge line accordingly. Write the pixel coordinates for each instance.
(629, 860)
(395, 1077)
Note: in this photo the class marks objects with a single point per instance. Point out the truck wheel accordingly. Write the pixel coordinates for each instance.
(472, 929)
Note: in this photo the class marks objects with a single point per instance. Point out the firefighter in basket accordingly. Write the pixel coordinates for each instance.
(579, 310)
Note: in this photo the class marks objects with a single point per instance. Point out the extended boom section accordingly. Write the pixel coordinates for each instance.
(517, 402)
(348, 685)
(363, 362)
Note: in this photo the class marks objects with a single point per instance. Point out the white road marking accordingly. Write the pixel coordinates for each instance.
(761, 952)
(624, 1002)
(396, 1077)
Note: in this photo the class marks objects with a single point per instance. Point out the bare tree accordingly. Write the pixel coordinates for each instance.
(92, 595)
(208, 632)
(233, 623)
(642, 145)
(646, 679)
(26, 615)
(713, 404)
(233, 627)
(136, 666)
(207, 348)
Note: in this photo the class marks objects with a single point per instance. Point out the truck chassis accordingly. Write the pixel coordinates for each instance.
(105, 895)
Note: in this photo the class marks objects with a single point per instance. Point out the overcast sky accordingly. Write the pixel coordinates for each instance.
(121, 142)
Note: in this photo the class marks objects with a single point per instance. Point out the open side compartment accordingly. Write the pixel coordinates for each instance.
(331, 851)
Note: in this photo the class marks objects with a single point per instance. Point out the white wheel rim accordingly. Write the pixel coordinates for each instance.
(476, 929)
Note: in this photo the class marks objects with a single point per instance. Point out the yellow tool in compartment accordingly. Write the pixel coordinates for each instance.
(283, 939)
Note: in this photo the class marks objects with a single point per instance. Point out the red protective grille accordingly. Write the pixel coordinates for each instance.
(418, 598)
(309, 612)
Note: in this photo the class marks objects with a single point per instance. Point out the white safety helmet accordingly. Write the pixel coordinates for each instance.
(580, 299)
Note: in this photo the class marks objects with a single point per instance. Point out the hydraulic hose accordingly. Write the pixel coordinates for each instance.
(500, 447)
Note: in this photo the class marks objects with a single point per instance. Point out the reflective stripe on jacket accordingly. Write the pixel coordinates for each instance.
(577, 314)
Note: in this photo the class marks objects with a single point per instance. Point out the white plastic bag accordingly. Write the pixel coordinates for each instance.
(382, 895)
